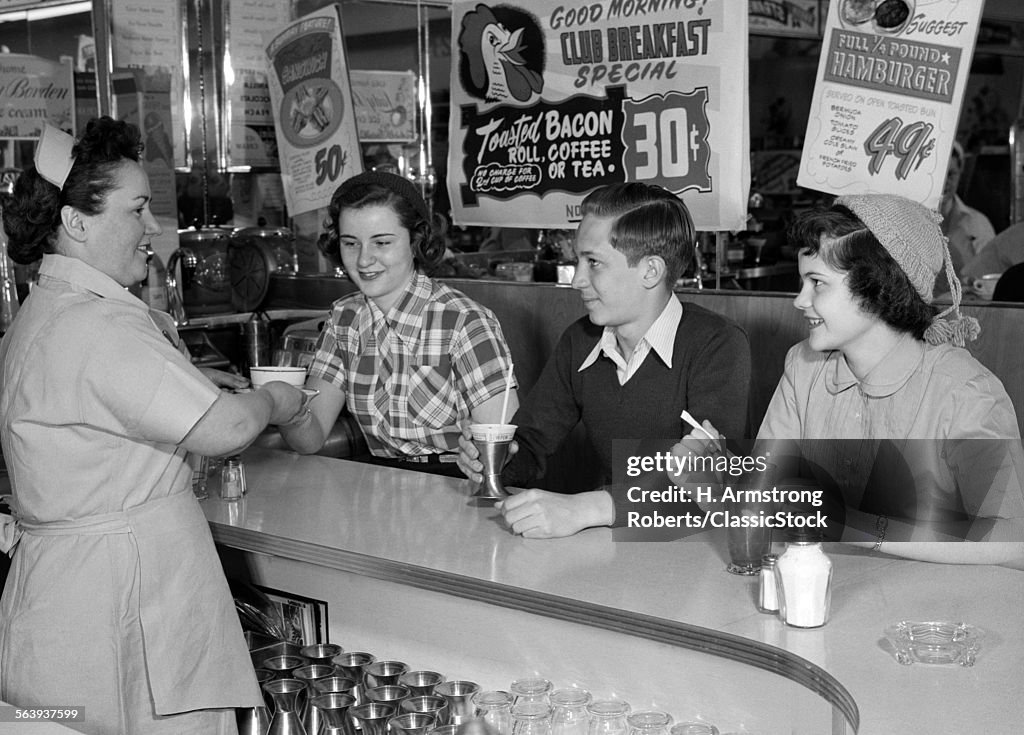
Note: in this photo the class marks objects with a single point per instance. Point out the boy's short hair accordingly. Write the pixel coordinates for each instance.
(649, 220)
(873, 276)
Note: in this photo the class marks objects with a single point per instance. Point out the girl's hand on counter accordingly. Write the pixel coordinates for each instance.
(541, 514)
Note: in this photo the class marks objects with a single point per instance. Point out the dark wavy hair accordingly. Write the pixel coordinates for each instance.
(874, 278)
(32, 210)
(425, 236)
(649, 220)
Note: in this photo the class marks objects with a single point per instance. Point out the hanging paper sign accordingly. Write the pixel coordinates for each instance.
(890, 83)
(312, 104)
(385, 104)
(146, 33)
(34, 91)
(251, 141)
(798, 18)
(247, 22)
(551, 101)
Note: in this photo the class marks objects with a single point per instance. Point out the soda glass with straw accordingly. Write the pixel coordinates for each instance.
(493, 441)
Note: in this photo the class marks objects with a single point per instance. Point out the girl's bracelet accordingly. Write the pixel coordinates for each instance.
(299, 418)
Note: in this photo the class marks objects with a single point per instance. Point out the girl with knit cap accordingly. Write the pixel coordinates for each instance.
(882, 405)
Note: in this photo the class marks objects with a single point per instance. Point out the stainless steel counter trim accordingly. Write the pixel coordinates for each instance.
(696, 638)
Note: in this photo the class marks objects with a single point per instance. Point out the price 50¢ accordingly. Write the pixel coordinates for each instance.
(330, 163)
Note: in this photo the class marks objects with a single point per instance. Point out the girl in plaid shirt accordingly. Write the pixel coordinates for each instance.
(410, 357)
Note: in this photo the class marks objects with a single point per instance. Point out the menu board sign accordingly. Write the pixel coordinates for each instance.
(252, 142)
(550, 101)
(312, 105)
(34, 91)
(890, 82)
(146, 33)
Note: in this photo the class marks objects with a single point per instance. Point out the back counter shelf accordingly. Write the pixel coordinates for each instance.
(412, 569)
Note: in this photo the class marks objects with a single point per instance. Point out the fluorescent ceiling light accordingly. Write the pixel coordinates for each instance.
(48, 11)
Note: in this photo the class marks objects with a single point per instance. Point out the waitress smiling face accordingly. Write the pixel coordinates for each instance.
(116, 240)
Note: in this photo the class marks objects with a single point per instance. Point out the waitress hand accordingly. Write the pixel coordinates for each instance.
(224, 379)
(469, 456)
(287, 400)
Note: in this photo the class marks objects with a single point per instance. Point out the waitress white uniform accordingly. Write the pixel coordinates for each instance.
(116, 601)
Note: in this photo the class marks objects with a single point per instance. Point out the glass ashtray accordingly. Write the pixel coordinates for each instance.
(934, 642)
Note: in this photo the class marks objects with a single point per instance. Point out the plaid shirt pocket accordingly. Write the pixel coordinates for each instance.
(433, 399)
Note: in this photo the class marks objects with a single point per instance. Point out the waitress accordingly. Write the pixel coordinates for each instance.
(411, 357)
(115, 600)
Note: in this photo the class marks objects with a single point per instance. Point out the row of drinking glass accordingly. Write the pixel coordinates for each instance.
(534, 707)
(335, 692)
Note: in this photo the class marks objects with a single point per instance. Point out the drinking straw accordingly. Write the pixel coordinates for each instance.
(508, 388)
(685, 416)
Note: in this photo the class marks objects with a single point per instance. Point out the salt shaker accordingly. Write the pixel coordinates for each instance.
(803, 576)
(232, 478)
(768, 599)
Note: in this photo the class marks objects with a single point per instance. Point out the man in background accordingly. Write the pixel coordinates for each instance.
(967, 229)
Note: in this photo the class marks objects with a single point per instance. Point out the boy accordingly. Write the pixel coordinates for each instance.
(629, 368)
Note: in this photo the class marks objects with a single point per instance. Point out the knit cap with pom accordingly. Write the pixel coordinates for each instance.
(911, 234)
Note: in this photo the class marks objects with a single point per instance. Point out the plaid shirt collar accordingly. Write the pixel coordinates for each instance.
(405, 318)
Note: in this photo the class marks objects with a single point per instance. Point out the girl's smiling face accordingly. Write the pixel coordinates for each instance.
(376, 251)
(834, 317)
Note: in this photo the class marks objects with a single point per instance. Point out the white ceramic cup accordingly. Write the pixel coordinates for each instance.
(292, 375)
(986, 285)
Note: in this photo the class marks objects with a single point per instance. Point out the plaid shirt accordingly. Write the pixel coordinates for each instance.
(447, 356)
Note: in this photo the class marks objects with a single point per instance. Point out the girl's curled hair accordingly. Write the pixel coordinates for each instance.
(31, 213)
(426, 236)
(874, 278)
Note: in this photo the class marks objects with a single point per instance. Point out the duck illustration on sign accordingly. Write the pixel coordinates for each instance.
(501, 54)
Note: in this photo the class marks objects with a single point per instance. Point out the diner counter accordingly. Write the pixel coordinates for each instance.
(338, 530)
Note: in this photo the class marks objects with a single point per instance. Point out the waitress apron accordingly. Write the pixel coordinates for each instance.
(192, 652)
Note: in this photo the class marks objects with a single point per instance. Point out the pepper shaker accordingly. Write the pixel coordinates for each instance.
(768, 599)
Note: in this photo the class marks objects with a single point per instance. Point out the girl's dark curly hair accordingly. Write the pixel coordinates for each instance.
(874, 278)
(426, 236)
(32, 211)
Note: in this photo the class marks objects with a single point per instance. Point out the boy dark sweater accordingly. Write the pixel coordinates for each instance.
(709, 377)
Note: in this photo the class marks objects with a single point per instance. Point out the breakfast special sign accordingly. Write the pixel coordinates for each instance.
(551, 100)
(891, 79)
